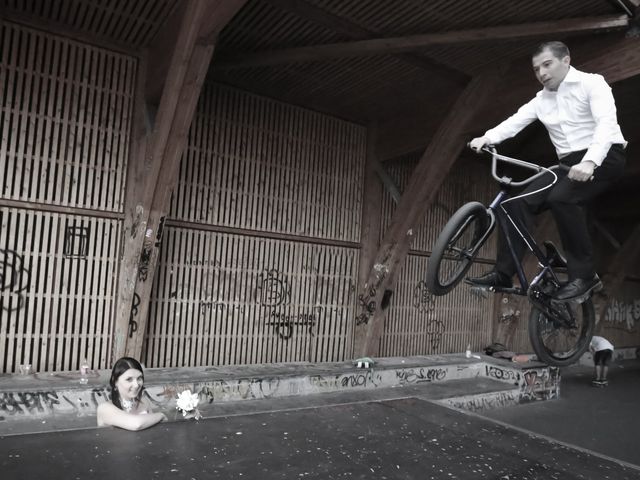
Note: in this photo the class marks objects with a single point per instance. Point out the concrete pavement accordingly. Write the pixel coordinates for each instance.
(376, 433)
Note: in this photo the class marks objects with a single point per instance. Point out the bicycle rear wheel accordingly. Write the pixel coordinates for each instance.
(557, 344)
(456, 247)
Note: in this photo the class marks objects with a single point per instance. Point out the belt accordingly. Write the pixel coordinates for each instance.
(621, 146)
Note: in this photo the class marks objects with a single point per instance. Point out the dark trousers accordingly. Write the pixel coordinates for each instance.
(566, 200)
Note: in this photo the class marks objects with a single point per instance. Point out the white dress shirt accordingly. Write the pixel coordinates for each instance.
(580, 115)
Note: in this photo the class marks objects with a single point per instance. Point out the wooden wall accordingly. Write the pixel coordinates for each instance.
(621, 321)
(260, 256)
(64, 137)
(417, 322)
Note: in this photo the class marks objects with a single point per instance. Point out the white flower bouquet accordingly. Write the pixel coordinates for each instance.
(187, 403)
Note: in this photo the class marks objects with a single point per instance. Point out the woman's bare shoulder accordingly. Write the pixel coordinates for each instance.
(106, 407)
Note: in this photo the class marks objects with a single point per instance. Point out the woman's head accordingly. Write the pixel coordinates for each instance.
(126, 381)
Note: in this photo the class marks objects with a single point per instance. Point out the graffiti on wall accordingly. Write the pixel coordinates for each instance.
(273, 289)
(479, 403)
(421, 375)
(284, 323)
(14, 279)
(623, 315)
(503, 374)
(133, 325)
(76, 242)
(274, 294)
(367, 306)
(367, 300)
(145, 260)
(542, 384)
(45, 402)
(425, 302)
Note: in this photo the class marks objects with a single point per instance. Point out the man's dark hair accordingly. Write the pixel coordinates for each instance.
(559, 49)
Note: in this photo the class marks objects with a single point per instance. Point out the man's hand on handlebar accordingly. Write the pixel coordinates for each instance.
(477, 143)
(582, 172)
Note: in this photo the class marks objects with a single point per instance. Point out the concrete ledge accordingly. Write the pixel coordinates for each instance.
(44, 402)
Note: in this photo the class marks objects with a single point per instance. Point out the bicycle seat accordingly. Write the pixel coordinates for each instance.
(556, 259)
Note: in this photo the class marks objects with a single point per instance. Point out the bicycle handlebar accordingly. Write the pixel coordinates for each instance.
(520, 163)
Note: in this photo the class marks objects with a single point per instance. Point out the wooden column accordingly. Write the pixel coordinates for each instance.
(432, 169)
(199, 25)
(371, 213)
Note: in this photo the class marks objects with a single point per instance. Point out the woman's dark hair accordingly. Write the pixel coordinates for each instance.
(121, 366)
(558, 49)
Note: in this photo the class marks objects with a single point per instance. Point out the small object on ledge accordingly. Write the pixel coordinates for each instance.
(364, 362)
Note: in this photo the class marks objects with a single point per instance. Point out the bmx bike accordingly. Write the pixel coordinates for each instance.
(559, 332)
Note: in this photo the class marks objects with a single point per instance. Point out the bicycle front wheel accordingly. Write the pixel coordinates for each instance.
(456, 247)
(561, 344)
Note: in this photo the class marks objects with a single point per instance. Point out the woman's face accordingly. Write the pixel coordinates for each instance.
(129, 384)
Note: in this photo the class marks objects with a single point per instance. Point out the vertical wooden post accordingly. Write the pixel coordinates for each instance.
(189, 95)
(127, 301)
(132, 267)
(371, 217)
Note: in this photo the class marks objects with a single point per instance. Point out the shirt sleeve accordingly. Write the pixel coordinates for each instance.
(525, 115)
(603, 109)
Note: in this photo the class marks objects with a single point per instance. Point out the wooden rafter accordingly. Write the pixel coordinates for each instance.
(387, 46)
(426, 179)
(355, 31)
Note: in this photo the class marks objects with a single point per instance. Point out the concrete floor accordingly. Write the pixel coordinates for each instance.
(605, 420)
(398, 439)
(411, 438)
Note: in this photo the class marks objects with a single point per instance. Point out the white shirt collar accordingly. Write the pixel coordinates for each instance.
(572, 76)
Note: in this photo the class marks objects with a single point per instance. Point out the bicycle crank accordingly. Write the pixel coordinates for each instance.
(544, 302)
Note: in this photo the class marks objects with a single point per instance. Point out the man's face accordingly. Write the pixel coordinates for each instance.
(549, 69)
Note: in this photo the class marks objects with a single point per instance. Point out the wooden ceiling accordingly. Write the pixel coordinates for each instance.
(400, 64)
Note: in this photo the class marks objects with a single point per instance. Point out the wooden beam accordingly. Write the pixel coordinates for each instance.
(388, 46)
(622, 61)
(387, 181)
(176, 141)
(144, 184)
(355, 31)
(371, 214)
(426, 179)
(215, 15)
(159, 58)
(190, 60)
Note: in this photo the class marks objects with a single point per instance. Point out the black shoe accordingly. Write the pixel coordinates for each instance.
(578, 289)
(492, 278)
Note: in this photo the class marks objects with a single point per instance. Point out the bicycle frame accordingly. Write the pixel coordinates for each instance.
(499, 215)
(503, 219)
